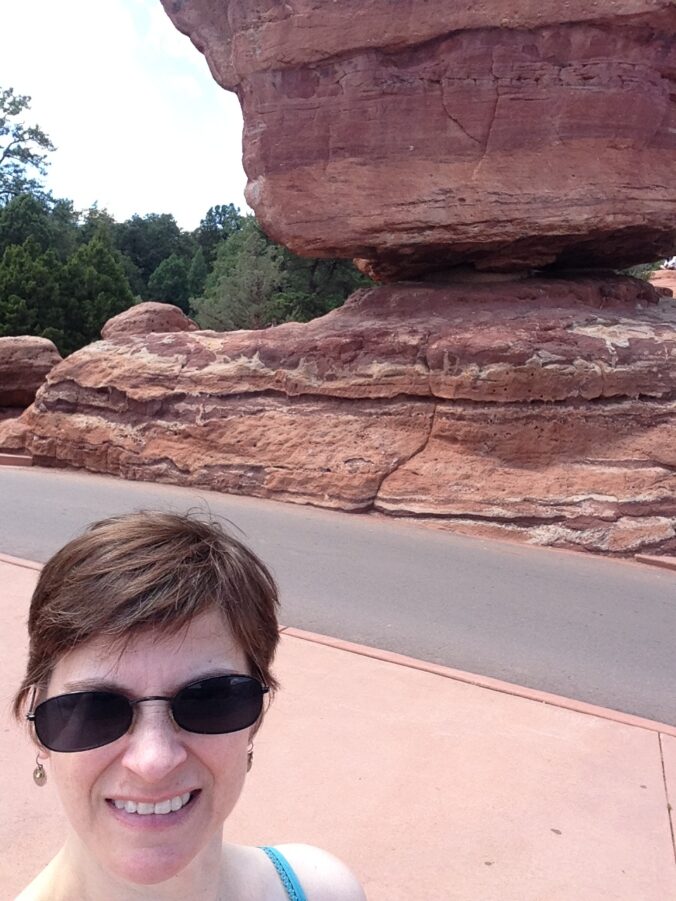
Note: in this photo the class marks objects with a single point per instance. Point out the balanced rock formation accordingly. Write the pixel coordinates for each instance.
(147, 317)
(429, 140)
(540, 409)
(422, 134)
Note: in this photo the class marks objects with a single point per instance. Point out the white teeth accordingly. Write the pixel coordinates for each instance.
(141, 807)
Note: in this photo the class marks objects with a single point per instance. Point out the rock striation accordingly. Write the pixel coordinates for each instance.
(419, 136)
(540, 409)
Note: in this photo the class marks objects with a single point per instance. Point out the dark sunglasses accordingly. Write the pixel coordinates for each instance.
(83, 720)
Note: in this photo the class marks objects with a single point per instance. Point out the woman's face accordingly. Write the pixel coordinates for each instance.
(155, 761)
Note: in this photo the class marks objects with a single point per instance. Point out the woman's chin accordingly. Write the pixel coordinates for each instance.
(149, 868)
(151, 865)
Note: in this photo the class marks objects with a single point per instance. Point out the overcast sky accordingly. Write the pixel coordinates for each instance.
(139, 124)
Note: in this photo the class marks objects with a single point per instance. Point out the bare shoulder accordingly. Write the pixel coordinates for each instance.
(36, 891)
(44, 886)
(27, 895)
(323, 876)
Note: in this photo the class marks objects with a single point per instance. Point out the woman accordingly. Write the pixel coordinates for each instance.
(151, 641)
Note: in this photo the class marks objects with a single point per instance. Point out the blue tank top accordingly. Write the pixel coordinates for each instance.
(289, 879)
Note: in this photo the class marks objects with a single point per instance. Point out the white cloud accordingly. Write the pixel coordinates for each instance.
(139, 123)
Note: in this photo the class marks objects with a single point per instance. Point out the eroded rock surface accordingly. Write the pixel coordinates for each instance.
(600, 476)
(665, 281)
(14, 431)
(418, 136)
(147, 317)
(542, 408)
(24, 364)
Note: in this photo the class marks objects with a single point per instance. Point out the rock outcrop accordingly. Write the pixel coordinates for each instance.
(664, 280)
(147, 317)
(24, 364)
(541, 409)
(418, 136)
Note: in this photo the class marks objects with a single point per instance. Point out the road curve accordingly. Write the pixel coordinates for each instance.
(592, 629)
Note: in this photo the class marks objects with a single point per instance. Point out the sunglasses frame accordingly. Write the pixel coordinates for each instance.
(30, 716)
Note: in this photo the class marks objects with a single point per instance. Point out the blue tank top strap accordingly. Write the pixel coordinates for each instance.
(289, 879)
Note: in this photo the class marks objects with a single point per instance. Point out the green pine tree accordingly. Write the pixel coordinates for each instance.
(30, 290)
(23, 148)
(22, 218)
(94, 289)
(169, 282)
(219, 223)
(245, 277)
(197, 274)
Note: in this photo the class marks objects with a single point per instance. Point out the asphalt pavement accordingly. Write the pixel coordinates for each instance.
(593, 629)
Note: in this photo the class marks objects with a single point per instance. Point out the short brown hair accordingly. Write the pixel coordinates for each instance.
(149, 570)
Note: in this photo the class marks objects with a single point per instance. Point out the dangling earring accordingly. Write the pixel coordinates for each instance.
(39, 773)
(249, 757)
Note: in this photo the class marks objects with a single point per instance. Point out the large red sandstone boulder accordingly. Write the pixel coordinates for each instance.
(423, 134)
(24, 363)
(147, 317)
(543, 409)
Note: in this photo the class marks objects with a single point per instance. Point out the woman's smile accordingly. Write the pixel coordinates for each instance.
(166, 814)
(145, 807)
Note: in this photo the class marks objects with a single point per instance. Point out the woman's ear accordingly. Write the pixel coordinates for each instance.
(42, 751)
(37, 696)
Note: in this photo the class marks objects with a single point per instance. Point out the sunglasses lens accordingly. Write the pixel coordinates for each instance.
(222, 704)
(82, 720)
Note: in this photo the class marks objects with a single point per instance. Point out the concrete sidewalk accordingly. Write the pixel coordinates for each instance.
(433, 785)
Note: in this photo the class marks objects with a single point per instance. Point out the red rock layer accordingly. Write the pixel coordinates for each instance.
(24, 363)
(600, 475)
(418, 136)
(147, 317)
(665, 281)
(545, 409)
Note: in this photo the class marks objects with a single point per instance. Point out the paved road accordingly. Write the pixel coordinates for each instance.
(597, 630)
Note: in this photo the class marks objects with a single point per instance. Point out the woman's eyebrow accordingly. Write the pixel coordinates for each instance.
(98, 684)
(92, 685)
(214, 673)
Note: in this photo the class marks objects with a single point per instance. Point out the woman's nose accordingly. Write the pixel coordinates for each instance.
(155, 744)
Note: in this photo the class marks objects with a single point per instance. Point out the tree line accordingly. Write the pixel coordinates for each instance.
(64, 272)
